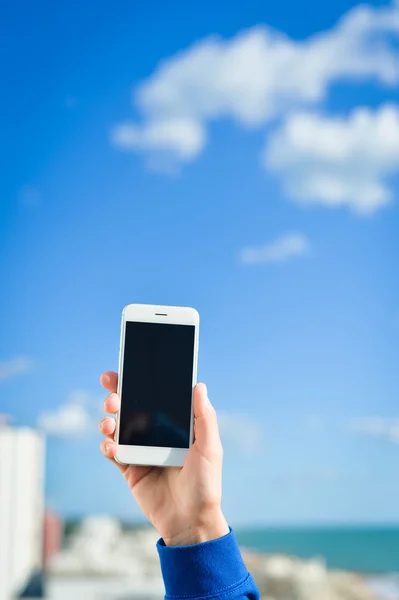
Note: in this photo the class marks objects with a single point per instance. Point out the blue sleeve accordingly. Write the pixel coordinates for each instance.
(213, 570)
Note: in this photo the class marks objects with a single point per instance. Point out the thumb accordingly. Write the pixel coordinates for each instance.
(206, 429)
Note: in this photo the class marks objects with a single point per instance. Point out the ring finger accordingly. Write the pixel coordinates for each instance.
(107, 426)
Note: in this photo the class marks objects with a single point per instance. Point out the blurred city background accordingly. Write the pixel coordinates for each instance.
(241, 158)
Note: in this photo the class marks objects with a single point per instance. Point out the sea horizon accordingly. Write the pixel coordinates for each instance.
(369, 548)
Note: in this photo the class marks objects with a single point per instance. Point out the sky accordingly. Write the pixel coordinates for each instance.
(243, 160)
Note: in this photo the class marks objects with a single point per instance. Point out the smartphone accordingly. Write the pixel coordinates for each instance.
(157, 374)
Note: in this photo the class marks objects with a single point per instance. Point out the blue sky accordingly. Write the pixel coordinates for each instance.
(255, 177)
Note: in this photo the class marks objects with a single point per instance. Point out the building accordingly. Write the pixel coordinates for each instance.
(52, 536)
(21, 508)
(103, 561)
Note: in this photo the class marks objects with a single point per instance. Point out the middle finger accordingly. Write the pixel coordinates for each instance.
(112, 403)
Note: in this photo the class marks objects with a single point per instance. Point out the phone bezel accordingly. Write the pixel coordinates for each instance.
(148, 313)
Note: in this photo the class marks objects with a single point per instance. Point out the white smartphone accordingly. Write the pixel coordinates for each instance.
(157, 374)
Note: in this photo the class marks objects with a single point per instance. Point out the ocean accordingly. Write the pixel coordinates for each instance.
(369, 550)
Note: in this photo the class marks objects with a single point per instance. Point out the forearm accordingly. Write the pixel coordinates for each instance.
(212, 569)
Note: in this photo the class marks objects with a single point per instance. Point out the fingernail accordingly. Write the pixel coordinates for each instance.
(108, 448)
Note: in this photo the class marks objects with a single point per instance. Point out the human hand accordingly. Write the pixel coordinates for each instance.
(183, 504)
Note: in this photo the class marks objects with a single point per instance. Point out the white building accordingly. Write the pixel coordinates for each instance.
(103, 562)
(21, 507)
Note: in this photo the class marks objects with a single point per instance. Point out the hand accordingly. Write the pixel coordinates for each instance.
(183, 504)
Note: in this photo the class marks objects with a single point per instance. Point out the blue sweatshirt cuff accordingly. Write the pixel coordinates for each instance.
(212, 568)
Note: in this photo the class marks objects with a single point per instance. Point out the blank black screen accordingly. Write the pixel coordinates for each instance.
(157, 385)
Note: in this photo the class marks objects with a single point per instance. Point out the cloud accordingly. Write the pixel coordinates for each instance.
(21, 365)
(167, 141)
(337, 161)
(258, 75)
(280, 250)
(376, 427)
(74, 419)
(240, 431)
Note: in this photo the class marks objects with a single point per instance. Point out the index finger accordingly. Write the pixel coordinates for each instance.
(109, 380)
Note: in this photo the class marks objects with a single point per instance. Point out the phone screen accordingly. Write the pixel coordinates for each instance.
(157, 385)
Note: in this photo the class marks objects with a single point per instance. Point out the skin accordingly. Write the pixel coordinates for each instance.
(183, 504)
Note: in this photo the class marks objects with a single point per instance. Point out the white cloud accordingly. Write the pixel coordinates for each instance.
(16, 366)
(73, 419)
(377, 427)
(337, 161)
(283, 248)
(256, 76)
(167, 140)
(240, 431)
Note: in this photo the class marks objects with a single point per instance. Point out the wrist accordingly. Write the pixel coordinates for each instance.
(210, 527)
